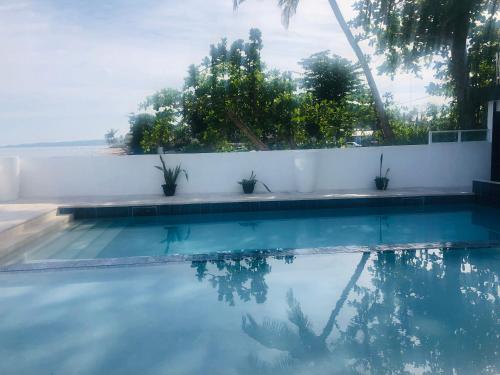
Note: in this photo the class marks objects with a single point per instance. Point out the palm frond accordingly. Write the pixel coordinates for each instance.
(283, 364)
(271, 333)
(288, 10)
(295, 313)
(236, 3)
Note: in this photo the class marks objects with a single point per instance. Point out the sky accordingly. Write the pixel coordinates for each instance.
(72, 69)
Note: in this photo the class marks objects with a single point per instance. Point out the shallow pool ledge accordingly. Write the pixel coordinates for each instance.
(106, 207)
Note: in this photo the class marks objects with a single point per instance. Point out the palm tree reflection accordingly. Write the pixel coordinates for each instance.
(175, 233)
(300, 343)
(427, 311)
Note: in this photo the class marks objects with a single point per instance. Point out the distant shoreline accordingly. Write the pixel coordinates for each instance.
(94, 142)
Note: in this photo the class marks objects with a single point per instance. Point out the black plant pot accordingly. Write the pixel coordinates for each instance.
(169, 190)
(248, 188)
(381, 183)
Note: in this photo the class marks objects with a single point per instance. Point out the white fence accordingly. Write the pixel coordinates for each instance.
(434, 165)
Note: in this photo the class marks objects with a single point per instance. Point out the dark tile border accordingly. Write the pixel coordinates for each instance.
(487, 192)
(227, 207)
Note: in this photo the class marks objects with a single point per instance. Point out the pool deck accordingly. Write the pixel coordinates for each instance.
(15, 214)
(19, 212)
(27, 222)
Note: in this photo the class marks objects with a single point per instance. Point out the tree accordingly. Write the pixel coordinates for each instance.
(231, 101)
(140, 124)
(110, 137)
(462, 34)
(329, 78)
(231, 98)
(166, 105)
(289, 8)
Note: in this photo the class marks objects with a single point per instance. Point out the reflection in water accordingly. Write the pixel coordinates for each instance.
(243, 277)
(249, 224)
(423, 311)
(383, 225)
(175, 233)
(427, 312)
(300, 342)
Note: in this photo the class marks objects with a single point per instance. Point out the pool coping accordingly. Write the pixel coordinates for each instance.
(261, 202)
(55, 265)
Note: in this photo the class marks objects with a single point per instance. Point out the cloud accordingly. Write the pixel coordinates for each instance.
(72, 70)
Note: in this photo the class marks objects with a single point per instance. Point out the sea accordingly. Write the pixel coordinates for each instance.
(56, 151)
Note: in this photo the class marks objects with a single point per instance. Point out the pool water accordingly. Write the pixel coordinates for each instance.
(205, 234)
(404, 312)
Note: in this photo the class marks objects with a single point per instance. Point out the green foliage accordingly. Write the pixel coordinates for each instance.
(412, 127)
(140, 125)
(329, 78)
(320, 109)
(233, 79)
(458, 38)
(170, 175)
(166, 105)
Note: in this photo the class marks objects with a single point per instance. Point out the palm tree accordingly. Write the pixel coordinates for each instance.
(288, 9)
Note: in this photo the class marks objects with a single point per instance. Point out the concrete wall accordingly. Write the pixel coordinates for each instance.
(9, 178)
(434, 165)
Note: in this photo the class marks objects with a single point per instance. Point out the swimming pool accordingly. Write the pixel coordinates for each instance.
(270, 231)
(427, 311)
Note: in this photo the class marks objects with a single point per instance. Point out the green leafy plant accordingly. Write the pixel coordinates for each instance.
(248, 184)
(170, 175)
(381, 182)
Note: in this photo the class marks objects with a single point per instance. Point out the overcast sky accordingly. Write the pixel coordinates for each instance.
(70, 70)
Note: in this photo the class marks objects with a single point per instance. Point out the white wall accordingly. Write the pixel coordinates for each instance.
(435, 165)
(9, 178)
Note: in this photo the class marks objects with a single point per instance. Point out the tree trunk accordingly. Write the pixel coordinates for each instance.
(261, 146)
(460, 70)
(379, 105)
(343, 297)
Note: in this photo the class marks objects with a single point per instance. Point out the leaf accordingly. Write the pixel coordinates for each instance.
(269, 190)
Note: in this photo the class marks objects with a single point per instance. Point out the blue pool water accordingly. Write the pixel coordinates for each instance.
(195, 234)
(408, 312)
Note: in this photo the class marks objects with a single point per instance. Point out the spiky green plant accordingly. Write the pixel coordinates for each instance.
(249, 183)
(171, 174)
(382, 181)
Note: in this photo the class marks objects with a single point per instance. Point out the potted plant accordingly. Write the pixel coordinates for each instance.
(248, 184)
(170, 175)
(381, 182)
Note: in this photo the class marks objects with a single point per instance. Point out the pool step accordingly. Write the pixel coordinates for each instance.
(82, 242)
(31, 231)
